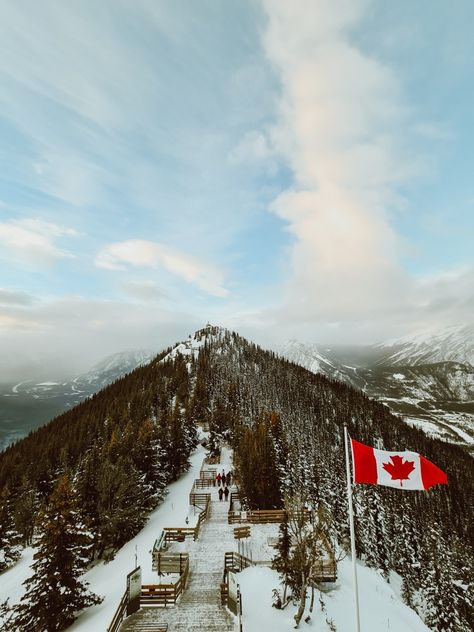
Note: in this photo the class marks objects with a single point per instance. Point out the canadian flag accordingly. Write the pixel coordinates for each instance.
(403, 470)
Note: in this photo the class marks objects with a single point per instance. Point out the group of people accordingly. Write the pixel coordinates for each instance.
(223, 481)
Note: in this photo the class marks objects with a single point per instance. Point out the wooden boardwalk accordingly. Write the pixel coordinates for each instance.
(199, 608)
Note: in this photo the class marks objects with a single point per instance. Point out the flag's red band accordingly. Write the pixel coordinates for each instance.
(430, 474)
(365, 465)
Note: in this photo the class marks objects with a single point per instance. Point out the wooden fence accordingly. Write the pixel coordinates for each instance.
(199, 500)
(163, 595)
(224, 593)
(179, 534)
(261, 516)
(169, 562)
(119, 615)
(234, 497)
(201, 483)
(324, 571)
(236, 562)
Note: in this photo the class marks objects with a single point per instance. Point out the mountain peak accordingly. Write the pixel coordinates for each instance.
(454, 343)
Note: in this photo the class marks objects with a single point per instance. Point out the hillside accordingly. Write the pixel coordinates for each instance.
(26, 405)
(426, 378)
(285, 425)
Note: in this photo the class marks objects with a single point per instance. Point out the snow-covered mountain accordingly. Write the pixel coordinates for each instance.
(455, 344)
(100, 375)
(26, 405)
(428, 377)
(285, 424)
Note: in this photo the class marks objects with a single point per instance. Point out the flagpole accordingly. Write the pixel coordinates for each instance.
(351, 526)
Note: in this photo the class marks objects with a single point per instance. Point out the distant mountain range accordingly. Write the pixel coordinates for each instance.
(27, 405)
(428, 378)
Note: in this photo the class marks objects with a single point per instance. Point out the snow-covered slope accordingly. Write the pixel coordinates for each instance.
(380, 605)
(113, 367)
(428, 378)
(27, 405)
(190, 347)
(455, 344)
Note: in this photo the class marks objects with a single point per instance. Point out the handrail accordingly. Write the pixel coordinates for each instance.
(263, 516)
(119, 615)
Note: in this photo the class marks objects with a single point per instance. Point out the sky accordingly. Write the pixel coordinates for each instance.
(289, 170)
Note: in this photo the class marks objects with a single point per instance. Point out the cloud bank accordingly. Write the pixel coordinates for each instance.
(148, 254)
(341, 125)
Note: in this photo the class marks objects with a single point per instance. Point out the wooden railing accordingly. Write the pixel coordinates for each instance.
(224, 593)
(119, 615)
(261, 516)
(234, 497)
(169, 562)
(200, 483)
(325, 571)
(199, 500)
(178, 534)
(208, 474)
(236, 562)
(163, 595)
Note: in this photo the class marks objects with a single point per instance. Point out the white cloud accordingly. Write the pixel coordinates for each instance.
(341, 118)
(60, 336)
(34, 240)
(253, 147)
(146, 291)
(150, 254)
(15, 297)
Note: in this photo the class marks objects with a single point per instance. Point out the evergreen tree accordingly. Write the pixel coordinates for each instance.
(437, 588)
(122, 504)
(54, 594)
(281, 561)
(25, 511)
(9, 538)
(7, 623)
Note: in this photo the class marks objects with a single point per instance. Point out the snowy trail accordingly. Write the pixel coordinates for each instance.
(199, 607)
(109, 580)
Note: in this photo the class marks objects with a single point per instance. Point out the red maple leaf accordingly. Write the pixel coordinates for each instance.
(398, 469)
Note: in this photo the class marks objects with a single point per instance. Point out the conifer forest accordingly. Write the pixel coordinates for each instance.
(105, 464)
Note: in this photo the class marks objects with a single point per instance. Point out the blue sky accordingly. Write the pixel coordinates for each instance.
(286, 169)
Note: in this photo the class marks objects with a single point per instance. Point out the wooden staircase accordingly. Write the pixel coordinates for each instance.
(199, 608)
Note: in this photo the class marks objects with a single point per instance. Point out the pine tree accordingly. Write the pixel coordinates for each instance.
(55, 593)
(6, 618)
(281, 561)
(25, 511)
(437, 589)
(9, 538)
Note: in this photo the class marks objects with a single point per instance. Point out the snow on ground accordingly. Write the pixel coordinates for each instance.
(12, 579)
(381, 609)
(109, 580)
(258, 546)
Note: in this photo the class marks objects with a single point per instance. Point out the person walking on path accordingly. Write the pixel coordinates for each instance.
(218, 478)
(226, 492)
(221, 493)
(227, 479)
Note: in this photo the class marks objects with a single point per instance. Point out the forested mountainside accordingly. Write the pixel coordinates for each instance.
(432, 393)
(122, 446)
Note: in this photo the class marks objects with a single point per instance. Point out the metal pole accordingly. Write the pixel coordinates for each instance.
(351, 526)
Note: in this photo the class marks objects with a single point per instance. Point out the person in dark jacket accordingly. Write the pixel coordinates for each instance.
(226, 492)
(221, 493)
(227, 479)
